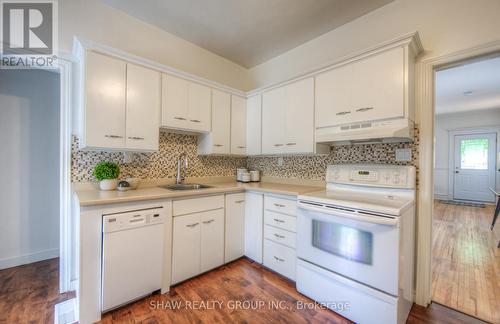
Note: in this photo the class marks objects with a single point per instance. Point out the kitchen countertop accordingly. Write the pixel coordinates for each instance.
(93, 197)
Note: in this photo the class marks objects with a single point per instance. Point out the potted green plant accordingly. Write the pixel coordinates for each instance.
(107, 173)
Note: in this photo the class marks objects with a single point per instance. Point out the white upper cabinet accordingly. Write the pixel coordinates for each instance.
(238, 125)
(254, 125)
(218, 141)
(185, 105)
(371, 88)
(121, 104)
(104, 102)
(143, 108)
(288, 119)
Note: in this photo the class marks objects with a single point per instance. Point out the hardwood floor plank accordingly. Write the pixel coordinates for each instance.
(466, 261)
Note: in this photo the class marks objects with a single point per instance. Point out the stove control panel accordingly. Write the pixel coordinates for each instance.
(393, 176)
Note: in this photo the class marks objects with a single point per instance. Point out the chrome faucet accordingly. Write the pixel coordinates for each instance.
(182, 160)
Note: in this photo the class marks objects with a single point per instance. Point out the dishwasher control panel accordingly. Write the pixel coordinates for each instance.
(130, 219)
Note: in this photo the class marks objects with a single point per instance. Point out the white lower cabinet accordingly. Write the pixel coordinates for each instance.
(254, 210)
(280, 234)
(235, 226)
(186, 247)
(198, 238)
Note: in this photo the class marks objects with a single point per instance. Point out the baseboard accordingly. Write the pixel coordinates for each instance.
(28, 258)
(441, 196)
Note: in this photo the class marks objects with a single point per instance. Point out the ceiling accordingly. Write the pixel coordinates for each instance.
(247, 32)
(473, 86)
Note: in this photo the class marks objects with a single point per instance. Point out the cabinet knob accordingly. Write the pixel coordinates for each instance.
(278, 145)
(291, 144)
(364, 109)
(341, 113)
(195, 120)
(136, 138)
(241, 147)
(218, 145)
(192, 225)
(180, 118)
(113, 136)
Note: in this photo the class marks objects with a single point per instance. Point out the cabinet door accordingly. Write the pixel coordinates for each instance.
(238, 125)
(273, 121)
(333, 97)
(235, 227)
(174, 107)
(186, 247)
(143, 108)
(254, 125)
(299, 117)
(254, 214)
(212, 239)
(221, 123)
(379, 80)
(199, 107)
(105, 101)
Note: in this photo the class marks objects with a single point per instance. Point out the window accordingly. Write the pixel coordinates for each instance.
(474, 154)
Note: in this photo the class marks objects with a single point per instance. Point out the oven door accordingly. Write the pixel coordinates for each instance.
(362, 247)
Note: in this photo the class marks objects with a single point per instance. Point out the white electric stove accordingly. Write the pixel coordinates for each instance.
(355, 242)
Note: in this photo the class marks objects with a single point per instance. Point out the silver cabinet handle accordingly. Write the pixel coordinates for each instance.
(195, 120)
(209, 221)
(341, 113)
(279, 259)
(364, 109)
(291, 144)
(192, 225)
(279, 236)
(241, 147)
(218, 145)
(180, 118)
(278, 144)
(239, 201)
(113, 136)
(279, 205)
(136, 138)
(278, 220)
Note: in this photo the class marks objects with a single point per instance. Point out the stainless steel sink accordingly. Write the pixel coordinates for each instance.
(186, 186)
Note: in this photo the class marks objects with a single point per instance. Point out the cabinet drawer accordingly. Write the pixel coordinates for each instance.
(281, 205)
(279, 220)
(280, 258)
(280, 236)
(195, 205)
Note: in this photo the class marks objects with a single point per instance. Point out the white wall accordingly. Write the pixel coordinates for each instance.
(29, 166)
(444, 26)
(93, 20)
(449, 122)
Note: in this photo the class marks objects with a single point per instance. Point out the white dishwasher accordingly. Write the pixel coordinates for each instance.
(132, 255)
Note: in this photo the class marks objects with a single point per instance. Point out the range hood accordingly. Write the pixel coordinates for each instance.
(383, 131)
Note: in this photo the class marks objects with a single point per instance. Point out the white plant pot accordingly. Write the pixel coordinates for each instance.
(108, 184)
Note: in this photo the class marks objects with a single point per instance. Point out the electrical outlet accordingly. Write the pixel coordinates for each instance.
(280, 161)
(403, 155)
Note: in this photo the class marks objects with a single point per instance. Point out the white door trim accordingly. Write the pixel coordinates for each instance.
(425, 70)
(451, 152)
(66, 73)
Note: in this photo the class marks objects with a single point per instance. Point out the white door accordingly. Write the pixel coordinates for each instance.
(212, 239)
(238, 125)
(105, 101)
(254, 125)
(254, 219)
(235, 226)
(186, 247)
(174, 111)
(273, 121)
(221, 122)
(299, 117)
(199, 107)
(143, 108)
(475, 167)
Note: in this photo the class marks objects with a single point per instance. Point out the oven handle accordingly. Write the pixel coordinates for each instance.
(380, 220)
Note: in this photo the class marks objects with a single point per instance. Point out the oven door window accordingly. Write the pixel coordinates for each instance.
(343, 241)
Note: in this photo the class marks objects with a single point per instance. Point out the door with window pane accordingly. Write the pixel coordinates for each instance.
(475, 167)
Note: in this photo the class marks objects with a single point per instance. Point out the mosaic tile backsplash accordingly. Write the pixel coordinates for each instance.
(162, 164)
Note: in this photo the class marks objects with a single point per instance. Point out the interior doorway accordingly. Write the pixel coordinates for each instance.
(465, 255)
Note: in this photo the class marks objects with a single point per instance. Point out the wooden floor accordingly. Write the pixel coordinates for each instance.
(28, 295)
(466, 261)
